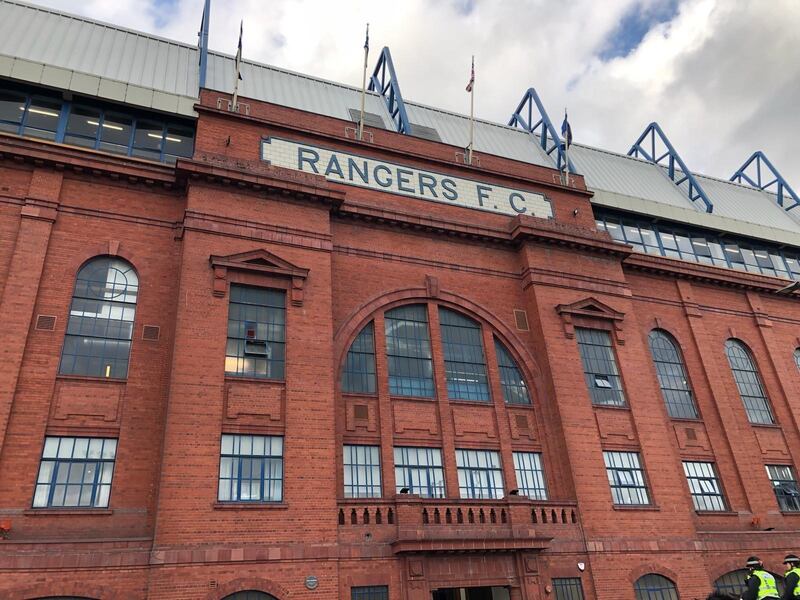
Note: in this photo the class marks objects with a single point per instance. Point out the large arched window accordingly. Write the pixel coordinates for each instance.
(749, 383)
(731, 582)
(411, 359)
(250, 595)
(672, 376)
(100, 326)
(655, 587)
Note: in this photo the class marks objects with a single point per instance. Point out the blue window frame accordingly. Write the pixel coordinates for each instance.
(420, 470)
(600, 367)
(515, 391)
(530, 475)
(568, 588)
(75, 472)
(705, 247)
(251, 468)
(358, 376)
(93, 125)
(479, 474)
(784, 484)
(408, 349)
(369, 592)
(732, 582)
(655, 587)
(101, 316)
(256, 332)
(672, 376)
(704, 486)
(362, 471)
(464, 363)
(749, 383)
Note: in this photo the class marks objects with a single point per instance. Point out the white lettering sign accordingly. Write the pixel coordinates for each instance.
(351, 169)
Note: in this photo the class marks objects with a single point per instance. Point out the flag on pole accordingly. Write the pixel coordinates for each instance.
(566, 131)
(238, 63)
(472, 76)
(470, 89)
(366, 40)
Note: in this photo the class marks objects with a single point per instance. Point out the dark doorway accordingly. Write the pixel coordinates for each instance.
(474, 593)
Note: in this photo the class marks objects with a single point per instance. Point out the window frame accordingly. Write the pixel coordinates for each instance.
(370, 470)
(404, 385)
(97, 484)
(663, 375)
(616, 483)
(593, 376)
(356, 357)
(530, 472)
(369, 592)
(235, 480)
(458, 341)
(755, 382)
(655, 593)
(431, 489)
(512, 392)
(472, 474)
(775, 482)
(567, 588)
(700, 499)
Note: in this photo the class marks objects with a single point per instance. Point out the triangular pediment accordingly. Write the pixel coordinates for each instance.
(260, 260)
(590, 307)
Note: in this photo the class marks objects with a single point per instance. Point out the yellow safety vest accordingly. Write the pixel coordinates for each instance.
(796, 590)
(768, 587)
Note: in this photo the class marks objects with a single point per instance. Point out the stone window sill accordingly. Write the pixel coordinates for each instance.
(625, 507)
(31, 512)
(91, 378)
(249, 505)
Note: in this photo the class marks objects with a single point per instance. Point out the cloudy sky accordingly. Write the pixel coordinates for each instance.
(721, 77)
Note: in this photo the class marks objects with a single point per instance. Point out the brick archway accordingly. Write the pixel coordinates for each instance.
(249, 583)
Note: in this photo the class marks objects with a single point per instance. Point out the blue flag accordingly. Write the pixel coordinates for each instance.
(566, 131)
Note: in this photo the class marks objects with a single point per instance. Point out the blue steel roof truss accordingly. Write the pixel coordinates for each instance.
(547, 135)
(760, 163)
(676, 168)
(384, 81)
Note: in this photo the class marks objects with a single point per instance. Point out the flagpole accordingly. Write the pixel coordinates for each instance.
(471, 112)
(364, 87)
(238, 63)
(566, 154)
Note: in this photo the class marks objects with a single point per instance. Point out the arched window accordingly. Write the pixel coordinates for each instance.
(358, 376)
(731, 582)
(749, 383)
(655, 587)
(100, 326)
(250, 595)
(464, 363)
(514, 389)
(672, 376)
(408, 349)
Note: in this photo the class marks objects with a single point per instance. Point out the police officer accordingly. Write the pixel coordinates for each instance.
(791, 581)
(759, 584)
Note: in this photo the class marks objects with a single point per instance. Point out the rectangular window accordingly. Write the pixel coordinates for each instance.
(362, 471)
(704, 485)
(420, 471)
(12, 109)
(256, 332)
(626, 478)
(75, 472)
(251, 468)
(479, 474)
(568, 588)
(530, 475)
(41, 118)
(600, 367)
(784, 483)
(370, 592)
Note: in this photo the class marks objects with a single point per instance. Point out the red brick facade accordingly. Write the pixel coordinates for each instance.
(226, 217)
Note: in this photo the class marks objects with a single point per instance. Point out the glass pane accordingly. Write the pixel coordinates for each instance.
(12, 109)
(147, 139)
(83, 121)
(42, 118)
(179, 141)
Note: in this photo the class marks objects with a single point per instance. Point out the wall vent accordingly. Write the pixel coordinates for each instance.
(361, 411)
(370, 119)
(522, 421)
(691, 434)
(151, 333)
(521, 319)
(426, 133)
(45, 322)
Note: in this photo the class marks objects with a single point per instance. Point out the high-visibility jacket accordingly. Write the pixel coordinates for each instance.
(793, 593)
(768, 587)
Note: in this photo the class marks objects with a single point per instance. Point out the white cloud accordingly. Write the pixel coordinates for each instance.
(722, 77)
